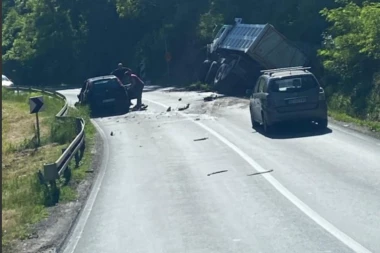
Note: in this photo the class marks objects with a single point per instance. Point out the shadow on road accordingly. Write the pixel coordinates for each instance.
(107, 113)
(294, 130)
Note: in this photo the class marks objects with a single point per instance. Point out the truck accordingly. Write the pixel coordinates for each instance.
(240, 51)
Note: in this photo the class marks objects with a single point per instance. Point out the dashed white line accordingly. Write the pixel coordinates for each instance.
(341, 236)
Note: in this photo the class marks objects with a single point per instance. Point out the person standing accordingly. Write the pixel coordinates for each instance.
(119, 72)
(135, 89)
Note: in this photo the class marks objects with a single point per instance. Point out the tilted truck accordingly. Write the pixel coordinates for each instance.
(240, 51)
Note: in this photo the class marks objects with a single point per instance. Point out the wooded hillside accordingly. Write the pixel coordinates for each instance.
(52, 42)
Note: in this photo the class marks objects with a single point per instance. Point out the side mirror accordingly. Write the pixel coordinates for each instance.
(248, 92)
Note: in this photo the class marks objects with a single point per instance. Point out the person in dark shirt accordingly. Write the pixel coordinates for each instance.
(82, 89)
(119, 72)
(135, 89)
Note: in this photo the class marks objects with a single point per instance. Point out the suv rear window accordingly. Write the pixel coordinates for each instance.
(293, 84)
(101, 85)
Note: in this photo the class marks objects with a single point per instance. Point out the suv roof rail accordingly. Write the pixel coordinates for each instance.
(271, 71)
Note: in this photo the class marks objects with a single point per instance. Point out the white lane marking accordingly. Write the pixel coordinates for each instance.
(79, 227)
(341, 236)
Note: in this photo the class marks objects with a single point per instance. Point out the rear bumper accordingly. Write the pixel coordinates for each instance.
(273, 116)
(108, 105)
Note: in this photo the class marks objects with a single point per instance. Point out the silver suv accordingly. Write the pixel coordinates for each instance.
(287, 94)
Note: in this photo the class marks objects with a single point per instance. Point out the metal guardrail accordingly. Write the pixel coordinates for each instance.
(54, 170)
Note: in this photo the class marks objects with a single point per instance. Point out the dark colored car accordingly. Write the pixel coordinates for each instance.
(288, 94)
(104, 93)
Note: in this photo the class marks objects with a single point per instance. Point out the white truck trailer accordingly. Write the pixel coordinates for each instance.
(240, 51)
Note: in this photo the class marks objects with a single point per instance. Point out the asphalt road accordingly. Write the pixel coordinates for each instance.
(296, 191)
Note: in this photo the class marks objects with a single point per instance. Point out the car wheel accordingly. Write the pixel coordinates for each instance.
(253, 122)
(203, 70)
(127, 106)
(322, 124)
(267, 128)
(211, 72)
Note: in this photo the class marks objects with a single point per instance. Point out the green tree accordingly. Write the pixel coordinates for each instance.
(351, 54)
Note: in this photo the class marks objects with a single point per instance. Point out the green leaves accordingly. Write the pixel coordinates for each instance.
(208, 24)
(351, 52)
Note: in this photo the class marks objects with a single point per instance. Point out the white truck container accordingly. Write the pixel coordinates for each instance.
(240, 51)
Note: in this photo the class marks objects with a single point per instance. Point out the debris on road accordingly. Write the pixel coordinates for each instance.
(210, 98)
(184, 108)
(201, 139)
(217, 172)
(197, 119)
(169, 109)
(259, 173)
(180, 99)
(111, 133)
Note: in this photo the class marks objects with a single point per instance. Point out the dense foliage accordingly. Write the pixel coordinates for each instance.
(51, 41)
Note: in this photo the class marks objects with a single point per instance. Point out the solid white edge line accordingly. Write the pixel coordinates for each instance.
(341, 236)
(79, 227)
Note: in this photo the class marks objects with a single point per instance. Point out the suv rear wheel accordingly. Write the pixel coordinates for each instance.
(267, 128)
(253, 122)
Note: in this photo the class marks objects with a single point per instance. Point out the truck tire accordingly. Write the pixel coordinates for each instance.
(225, 83)
(203, 70)
(211, 72)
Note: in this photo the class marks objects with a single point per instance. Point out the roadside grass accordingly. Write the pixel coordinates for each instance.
(23, 197)
(343, 117)
(199, 87)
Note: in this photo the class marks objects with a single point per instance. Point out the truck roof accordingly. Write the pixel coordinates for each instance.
(261, 42)
(242, 36)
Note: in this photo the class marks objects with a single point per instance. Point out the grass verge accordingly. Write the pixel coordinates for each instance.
(23, 197)
(373, 126)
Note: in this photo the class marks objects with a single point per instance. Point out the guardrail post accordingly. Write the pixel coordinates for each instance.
(55, 192)
(82, 148)
(50, 172)
(77, 159)
(67, 171)
(50, 175)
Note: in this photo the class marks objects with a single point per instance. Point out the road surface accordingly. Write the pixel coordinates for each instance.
(202, 180)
